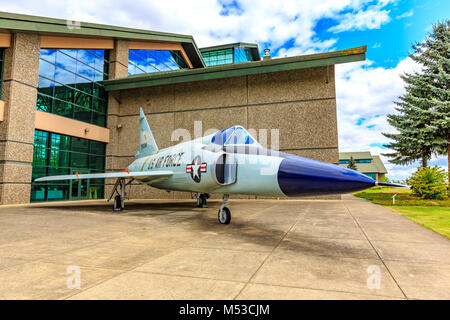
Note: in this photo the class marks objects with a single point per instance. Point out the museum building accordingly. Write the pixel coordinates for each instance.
(70, 94)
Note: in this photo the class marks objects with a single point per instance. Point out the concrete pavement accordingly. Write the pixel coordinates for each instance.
(320, 249)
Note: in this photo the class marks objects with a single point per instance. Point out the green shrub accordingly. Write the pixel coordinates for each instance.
(429, 183)
(384, 179)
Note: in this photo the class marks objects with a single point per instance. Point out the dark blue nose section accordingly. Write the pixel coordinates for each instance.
(301, 176)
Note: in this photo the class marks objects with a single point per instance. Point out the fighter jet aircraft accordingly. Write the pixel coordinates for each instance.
(229, 161)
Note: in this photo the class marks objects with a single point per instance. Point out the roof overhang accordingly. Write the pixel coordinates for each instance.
(239, 69)
(20, 22)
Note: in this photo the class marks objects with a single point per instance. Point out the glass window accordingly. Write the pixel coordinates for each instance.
(242, 55)
(218, 57)
(2, 51)
(344, 161)
(56, 154)
(70, 84)
(148, 61)
(371, 175)
(364, 161)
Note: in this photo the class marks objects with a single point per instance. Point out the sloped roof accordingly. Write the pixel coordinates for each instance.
(355, 155)
(379, 164)
(376, 166)
(237, 69)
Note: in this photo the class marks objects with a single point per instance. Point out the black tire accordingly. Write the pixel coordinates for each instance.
(226, 218)
(204, 198)
(117, 203)
(201, 201)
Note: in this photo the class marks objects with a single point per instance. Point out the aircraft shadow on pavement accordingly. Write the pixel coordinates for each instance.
(249, 231)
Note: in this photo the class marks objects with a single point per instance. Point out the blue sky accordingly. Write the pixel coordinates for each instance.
(410, 22)
(365, 91)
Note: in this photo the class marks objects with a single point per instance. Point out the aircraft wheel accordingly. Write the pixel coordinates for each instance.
(117, 203)
(224, 216)
(201, 200)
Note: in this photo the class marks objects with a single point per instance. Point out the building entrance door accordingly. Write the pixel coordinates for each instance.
(79, 189)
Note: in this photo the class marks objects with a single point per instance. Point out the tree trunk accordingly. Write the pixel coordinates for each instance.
(424, 162)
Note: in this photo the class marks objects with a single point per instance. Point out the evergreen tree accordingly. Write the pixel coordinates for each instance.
(352, 164)
(423, 120)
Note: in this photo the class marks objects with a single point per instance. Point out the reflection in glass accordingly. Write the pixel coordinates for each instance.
(218, 57)
(70, 84)
(56, 154)
(227, 56)
(148, 61)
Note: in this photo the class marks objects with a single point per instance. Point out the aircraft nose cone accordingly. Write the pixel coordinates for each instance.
(301, 176)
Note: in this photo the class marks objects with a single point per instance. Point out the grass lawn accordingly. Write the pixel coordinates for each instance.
(431, 217)
(432, 214)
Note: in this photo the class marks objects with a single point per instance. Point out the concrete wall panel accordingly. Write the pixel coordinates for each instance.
(211, 94)
(300, 124)
(293, 85)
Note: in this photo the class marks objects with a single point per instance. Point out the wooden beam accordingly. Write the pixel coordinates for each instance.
(153, 45)
(2, 110)
(53, 123)
(53, 42)
(186, 58)
(5, 40)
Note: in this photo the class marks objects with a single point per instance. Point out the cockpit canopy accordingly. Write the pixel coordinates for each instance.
(235, 135)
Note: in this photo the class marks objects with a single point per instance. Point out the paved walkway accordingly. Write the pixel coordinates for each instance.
(271, 250)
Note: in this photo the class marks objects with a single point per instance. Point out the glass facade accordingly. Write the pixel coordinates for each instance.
(2, 53)
(70, 84)
(148, 61)
(226, 56)
(56, 154)
(242, 55)
(371, 175)
(357, 161)
(218, 57)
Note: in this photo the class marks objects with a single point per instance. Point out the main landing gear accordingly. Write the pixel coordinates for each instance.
(224, 214)
(201, 200)
(119, 188)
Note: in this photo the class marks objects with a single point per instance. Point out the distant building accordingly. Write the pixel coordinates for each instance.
(366, 163)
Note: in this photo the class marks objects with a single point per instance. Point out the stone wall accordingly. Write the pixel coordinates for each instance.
(300, 103)
(19, 91)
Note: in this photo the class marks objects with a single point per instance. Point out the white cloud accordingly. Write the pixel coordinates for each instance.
(376, 45)
(405, 14)
(365, 95)
(262, 21)
(371, 18)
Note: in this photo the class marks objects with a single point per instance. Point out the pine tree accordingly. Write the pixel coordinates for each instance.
(352, 164)
(423, 120)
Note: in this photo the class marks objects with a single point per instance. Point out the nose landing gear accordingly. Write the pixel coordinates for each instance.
(224, 215)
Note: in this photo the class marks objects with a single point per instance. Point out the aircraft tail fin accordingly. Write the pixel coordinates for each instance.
(147, 144)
